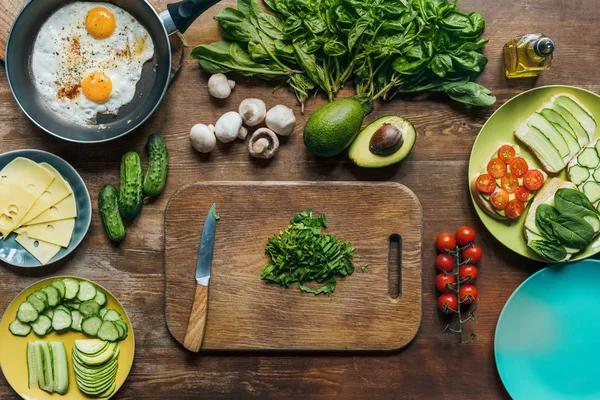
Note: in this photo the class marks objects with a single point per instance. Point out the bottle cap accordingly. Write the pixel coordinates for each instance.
(544, 47)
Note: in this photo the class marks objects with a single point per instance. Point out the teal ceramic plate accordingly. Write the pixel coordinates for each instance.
(547, 343)
(500, 128)
(10, 251)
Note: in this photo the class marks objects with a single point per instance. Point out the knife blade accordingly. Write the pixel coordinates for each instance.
(198, 315)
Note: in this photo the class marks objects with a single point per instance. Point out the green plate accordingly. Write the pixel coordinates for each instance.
(500, 128)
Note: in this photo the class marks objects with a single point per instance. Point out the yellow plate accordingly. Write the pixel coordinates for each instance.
(13, 360)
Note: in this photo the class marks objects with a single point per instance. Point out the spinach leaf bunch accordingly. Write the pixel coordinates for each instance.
(301, 253)
(385, 47)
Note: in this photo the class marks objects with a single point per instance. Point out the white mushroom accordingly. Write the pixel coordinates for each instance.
(228, 127)
(281, 120)
(263, 144)
(219, 86)
(203, 138)
(253, 111)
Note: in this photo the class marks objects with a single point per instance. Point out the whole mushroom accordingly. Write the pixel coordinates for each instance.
(203, 138)
(229, 127)
(253, 111)
(219, 86)
(263, 144)
(281, 120)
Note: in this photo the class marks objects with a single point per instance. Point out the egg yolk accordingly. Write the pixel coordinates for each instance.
(97, 87)
(100, 22)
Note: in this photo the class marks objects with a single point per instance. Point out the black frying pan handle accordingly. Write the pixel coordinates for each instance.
(187, 11)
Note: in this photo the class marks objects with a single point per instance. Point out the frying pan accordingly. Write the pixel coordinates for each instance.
(150, 89)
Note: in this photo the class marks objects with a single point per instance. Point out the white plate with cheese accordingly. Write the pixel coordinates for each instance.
(45, 208)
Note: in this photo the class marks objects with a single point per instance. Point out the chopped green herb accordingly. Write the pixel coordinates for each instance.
(364, 267)
(301, 253)
(216, 215)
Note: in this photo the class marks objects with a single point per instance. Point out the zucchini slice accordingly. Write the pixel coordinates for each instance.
(589, 158)
(42, 325)
(61, 319)
(27, 313)
(108, 331)
(578, 174)
(91, 347)
(19, 328)
(87, 291)
(71, 288)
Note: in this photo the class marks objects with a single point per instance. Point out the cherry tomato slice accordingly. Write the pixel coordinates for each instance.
(444, 283)
(533, 180)
(507, 153)
(514, 209)
(499, 199)
(522, 193)
(519, 167)
(468, 294)
(486, 184)
(496, 168)
(510, 182)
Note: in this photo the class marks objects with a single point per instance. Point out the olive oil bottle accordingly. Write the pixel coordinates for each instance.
(528, 55)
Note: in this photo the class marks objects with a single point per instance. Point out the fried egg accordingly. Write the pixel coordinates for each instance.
(87, 60)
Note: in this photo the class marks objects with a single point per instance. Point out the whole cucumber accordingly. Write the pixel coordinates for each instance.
(158, 166)
(108, 206)
(131, 196)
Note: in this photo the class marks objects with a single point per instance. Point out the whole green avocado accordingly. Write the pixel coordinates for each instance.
(333, 127)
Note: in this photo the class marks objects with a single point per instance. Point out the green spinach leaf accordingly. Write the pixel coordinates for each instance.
(573, 202)
(549, 250)
(572, 231)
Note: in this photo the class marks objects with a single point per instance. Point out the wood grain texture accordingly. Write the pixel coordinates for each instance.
(197, 320)
(245, 313)
(433, 366)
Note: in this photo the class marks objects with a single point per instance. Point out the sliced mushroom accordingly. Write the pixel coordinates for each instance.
(263, 144)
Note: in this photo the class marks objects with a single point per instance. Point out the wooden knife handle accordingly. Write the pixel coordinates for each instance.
(197, 322)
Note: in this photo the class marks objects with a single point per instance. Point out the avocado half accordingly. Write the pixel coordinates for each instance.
(360, 151)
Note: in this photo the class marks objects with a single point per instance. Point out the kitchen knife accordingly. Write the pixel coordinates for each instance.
(197, 322)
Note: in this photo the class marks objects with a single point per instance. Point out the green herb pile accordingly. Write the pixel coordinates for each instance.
(565, 225)
(301, 253)
(385, 47)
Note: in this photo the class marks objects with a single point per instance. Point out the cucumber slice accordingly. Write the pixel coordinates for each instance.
(27, 313)
(34, 364)
(111, 315)
(60, 367)
(91, 325)
(593, 221)
(19, 328)
(582, 136)
(592, 190)
(89, 308)
(60, 286)
(570, 139)
(543, 125)
(61, 307)
(597, 175)
(42, 325)
(49, 312)
(36, 302)
(71, 288)
(61, 319)
(578, 174)
(77, 319)
(589, 158)
(42, 296)
(102, 312)
(87, 291)
(47, 383)
(108, 331)
(52, 295)
(597, 146)
(72, 306)
(580, 113)
(123, 331)
(557, 119)
(100, 298)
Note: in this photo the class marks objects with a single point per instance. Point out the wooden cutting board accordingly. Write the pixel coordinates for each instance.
(245, 313)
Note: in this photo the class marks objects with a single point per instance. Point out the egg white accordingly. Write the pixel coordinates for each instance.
(64, 53)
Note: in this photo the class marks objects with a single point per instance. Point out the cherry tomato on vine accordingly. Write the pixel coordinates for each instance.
(465, 235)
(473, 252)
(445, 241)
(444, 262)
(468, 294)
(468, 273)
(448, 303)
(442, 280)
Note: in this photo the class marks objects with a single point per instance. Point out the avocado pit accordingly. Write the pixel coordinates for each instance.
(386, 140)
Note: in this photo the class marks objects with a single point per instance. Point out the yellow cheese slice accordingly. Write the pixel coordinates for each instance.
(64, 209)
(43, 251)
(22, 182)
(55, 232)
(57, 191)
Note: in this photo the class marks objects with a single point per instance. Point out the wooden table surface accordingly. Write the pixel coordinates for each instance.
(434, 365)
